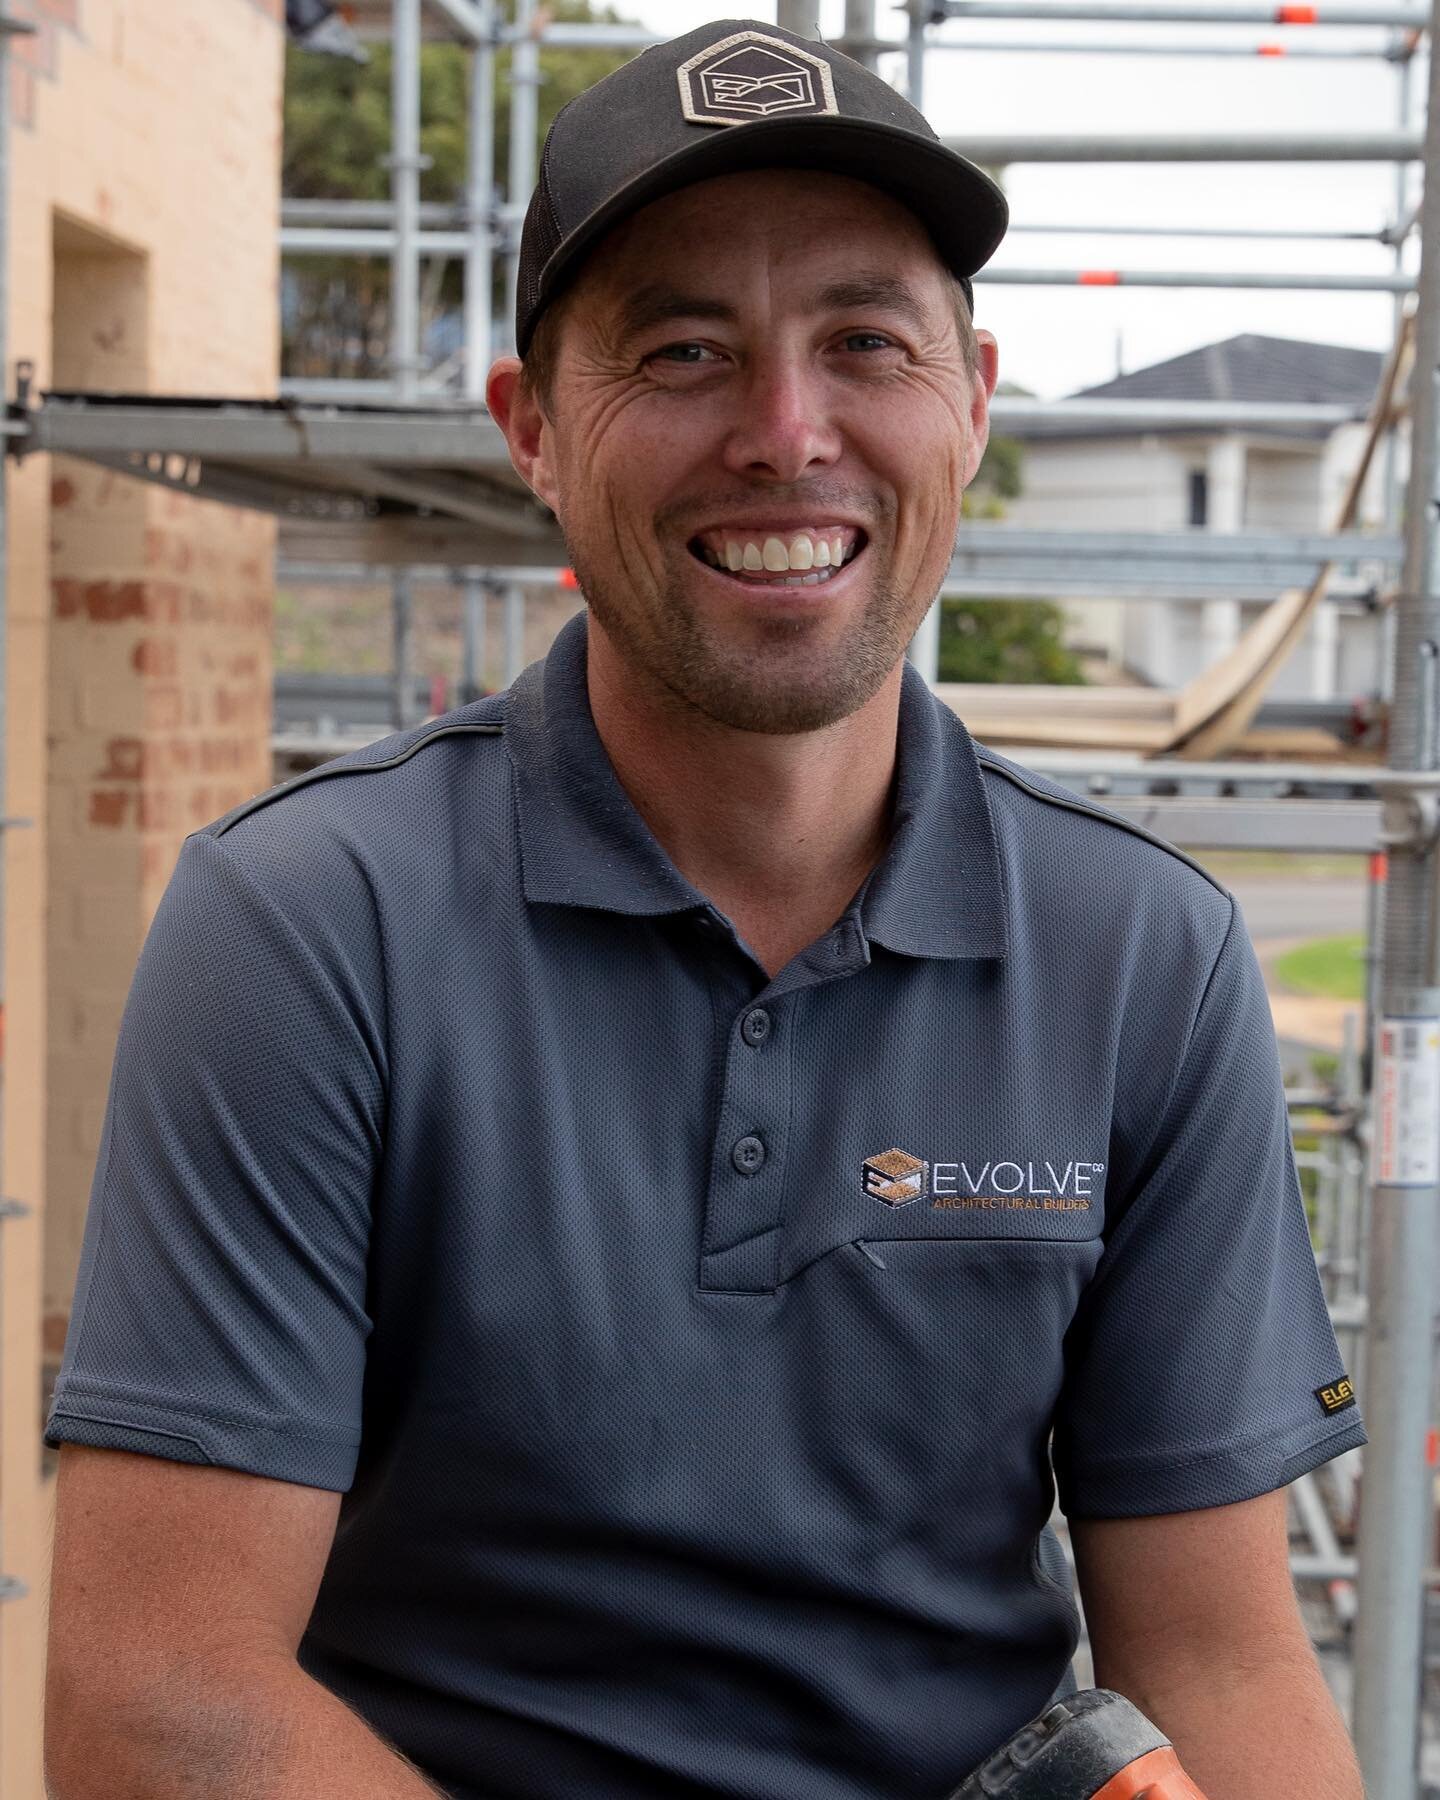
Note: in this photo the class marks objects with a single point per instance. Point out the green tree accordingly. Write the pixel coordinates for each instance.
(998, 478)
(336, 139)
(1003, 640)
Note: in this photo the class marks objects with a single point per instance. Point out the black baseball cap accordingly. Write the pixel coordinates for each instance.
(739, 94)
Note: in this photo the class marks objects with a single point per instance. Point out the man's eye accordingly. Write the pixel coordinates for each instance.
(867, 340)
(683, 353)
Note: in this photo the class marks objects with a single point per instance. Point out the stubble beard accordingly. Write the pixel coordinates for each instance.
(774, 685)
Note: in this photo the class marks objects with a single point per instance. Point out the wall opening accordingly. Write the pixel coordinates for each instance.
(99, 341)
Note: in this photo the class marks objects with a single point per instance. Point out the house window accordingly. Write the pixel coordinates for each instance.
(1199, 496)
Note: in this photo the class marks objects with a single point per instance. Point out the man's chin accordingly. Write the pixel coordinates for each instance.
(785, 680)
(781, 704)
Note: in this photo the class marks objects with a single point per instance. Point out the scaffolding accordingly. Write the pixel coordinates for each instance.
(406, 480)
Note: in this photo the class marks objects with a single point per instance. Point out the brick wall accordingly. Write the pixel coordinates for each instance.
(144, 186)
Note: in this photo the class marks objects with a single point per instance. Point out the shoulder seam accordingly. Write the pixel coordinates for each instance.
(1077, 803)
(478, 728)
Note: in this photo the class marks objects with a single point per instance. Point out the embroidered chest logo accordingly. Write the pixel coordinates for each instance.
(751, 76)
(895, 1177)
(992, 1185)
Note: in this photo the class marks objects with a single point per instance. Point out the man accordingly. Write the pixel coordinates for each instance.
(670, 1145)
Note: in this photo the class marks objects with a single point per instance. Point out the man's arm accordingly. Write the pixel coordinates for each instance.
(1193, 1617)
(179, 1595)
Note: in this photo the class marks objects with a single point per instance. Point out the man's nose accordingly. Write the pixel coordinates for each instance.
(784, 426)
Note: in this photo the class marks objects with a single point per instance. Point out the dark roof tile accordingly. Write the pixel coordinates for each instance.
(1253, 368)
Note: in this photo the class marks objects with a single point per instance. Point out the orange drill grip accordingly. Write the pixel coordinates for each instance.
(1157, 1776)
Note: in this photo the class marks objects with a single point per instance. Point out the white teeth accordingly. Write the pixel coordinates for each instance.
(803, 552)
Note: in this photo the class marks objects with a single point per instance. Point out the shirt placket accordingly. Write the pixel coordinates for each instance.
(745, 1204)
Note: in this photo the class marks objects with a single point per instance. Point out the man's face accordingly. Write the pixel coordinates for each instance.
(759, 431)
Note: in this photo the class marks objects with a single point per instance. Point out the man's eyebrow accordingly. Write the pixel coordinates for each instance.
(654, 304)
(886, 292)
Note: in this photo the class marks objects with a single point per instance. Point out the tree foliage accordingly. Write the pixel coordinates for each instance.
(336, 141)
(1005, 640)
(999, 476)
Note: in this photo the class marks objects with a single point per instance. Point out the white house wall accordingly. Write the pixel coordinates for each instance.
(1105, 484)
(1283, 490)
(1142, 483)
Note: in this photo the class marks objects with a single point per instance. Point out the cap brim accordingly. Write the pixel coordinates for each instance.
(965, 212)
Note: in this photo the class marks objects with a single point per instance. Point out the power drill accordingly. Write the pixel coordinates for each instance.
(1093, 1746)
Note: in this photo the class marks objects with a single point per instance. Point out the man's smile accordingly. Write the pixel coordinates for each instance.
(787, 556)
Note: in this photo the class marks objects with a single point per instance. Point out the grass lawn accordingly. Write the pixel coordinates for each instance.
(1239, 865)
(1333, 967)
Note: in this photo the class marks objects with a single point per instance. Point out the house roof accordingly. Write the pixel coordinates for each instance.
(1249, 369)
(1253, 368)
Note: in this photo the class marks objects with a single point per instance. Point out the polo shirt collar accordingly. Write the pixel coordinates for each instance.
(936, 893)
(582, 843)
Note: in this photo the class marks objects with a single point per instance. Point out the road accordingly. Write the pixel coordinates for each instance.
(1279, 909)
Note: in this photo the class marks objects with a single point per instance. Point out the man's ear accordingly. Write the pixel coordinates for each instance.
(516, 409)
(982, 387)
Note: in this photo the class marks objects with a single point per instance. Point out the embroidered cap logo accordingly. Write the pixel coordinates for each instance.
(750, 76)
(895, 1177)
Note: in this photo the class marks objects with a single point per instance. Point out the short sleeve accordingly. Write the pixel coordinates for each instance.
(220, 1307)
(1194, 1365)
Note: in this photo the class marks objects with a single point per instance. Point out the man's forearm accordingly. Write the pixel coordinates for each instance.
(1250, 1734)
(262, 1732)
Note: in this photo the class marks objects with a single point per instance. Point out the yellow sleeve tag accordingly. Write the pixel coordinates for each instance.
(1337, 1396)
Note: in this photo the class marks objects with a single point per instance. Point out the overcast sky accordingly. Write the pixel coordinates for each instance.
(1054, 340)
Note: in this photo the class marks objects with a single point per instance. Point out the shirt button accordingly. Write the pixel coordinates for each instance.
(748, 1155)
(755, 1027)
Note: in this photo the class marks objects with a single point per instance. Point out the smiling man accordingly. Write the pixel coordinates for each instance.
(619, 1207)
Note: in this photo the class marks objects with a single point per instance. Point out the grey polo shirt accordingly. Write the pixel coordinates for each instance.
(690, 1347)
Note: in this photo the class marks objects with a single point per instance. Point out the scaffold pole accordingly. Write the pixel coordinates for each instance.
(524, 124)
(1412, 18)
(480, 204)
(405, 192)
(11, 1586)
(1283, 281)
(924, 650)
(800, 16)
(859, 40)
(1371, 146)
(1397, 1507)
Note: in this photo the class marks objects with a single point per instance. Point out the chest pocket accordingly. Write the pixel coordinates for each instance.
(947, 1350)
(946, 1354)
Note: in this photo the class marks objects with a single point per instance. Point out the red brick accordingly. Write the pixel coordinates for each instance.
(110, 602)
(156, 656)
(109, 807)
(125, 760)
